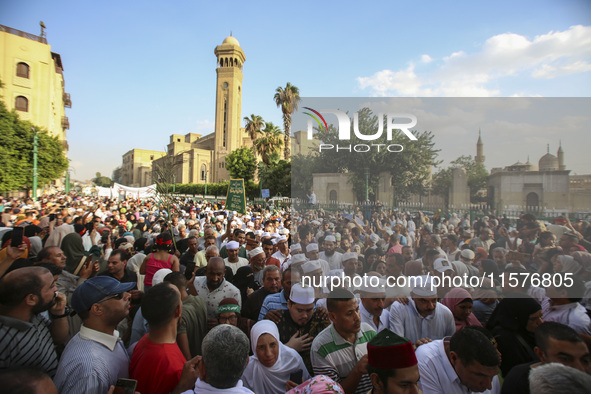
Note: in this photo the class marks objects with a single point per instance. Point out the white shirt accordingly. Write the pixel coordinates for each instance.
(240, 263)
(573, 315)
(438, 375)
(367, 317)
(335, 261)
(406, 321)
(282, 258)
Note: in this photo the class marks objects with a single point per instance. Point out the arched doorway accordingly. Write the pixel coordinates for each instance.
(532, 202)
(332, 196)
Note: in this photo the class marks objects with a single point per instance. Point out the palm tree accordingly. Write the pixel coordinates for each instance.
(288, 99)
(269, 142)
(253, 125)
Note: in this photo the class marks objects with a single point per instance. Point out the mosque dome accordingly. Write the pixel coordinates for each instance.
(548, 162)
(231, 40)
(529, 166)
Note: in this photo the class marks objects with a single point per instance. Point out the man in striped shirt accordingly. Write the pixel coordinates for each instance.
(26, 337)
(340, 350)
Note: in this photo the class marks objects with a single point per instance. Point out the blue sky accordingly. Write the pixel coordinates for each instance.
(139, 71)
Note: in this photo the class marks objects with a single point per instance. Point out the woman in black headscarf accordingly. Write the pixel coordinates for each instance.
(513, 324)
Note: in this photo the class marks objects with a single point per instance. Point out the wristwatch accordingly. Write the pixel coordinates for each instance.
(66, 313)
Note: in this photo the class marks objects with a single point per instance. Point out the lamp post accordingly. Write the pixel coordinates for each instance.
(174, 183)
(205, 193)
(35, 145)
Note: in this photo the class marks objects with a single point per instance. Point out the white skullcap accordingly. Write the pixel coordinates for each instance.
(298, 258)
(258, 232)
(255, 252)
(246, 217)
(366, 287)
(281, 238)
(159, 276)
(350, 256)
(374, 238)
(311, 247)
(330, 238)
(220, 217)
(274, 240)
(311, 266)
(423, 286)
(302, 295)
(232, 245)
(274, 235)
(265, 234)
(295, 247)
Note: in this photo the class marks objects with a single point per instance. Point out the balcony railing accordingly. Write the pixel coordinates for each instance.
(65, 123)
(67, 100)
(19, 33)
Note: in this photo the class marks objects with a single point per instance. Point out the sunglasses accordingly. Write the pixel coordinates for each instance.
(116, 296)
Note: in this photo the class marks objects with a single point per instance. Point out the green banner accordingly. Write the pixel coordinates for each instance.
(236, 199)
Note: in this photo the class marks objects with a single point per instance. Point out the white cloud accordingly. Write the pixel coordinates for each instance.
(426, 59)
(465, 74)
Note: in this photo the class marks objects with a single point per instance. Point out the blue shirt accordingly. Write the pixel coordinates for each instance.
(92, 362)
(272, 302)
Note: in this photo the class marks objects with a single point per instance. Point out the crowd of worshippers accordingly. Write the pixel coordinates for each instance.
(199, 299)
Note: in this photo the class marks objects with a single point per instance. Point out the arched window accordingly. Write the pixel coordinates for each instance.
(231, 62)
(22, 70)
(21, 104)
(203, 172)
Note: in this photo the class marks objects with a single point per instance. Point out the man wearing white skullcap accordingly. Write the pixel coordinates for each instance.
(313, 254)
(233, 260)
(330, 255)
(282, 253)
(423, 317)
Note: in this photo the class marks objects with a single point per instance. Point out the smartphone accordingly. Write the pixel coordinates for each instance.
(17, 237)
(296, 376)
(125, 386)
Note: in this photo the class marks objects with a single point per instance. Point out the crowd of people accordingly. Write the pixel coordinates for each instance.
(98, 293)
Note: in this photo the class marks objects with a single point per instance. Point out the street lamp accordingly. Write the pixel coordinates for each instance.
(366, 183)
(205, 193)
(35, 145)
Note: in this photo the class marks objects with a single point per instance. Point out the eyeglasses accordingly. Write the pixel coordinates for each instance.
(117, 296)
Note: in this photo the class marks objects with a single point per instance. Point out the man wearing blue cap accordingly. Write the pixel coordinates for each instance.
(95, 358)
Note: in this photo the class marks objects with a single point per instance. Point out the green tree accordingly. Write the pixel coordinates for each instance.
(475, 172)
(409, 169)
(16, 153)
(103, 181)
(277, 178)
(241, 164)
(253, 125)
(269, 143)
(287, 99)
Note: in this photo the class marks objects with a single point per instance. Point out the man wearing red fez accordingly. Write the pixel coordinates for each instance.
(392, 365)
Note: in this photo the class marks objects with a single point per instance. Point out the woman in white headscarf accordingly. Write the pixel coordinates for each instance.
(272, 363)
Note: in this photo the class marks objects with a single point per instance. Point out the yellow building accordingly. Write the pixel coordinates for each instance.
(200, 159)
(33, 81)
(136, 170)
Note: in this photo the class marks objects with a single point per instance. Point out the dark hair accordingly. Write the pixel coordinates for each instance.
(45, 253)
(122, 253)
(164, 236)
(557, 331)
(21, 380)
(159, 304)
(336, 296)
(54, 269)
(13, 292)
(267, 242)
(177, 279)
(472, 345)
(383, 374)
(528, 216)
(250, 235)
(238, 231)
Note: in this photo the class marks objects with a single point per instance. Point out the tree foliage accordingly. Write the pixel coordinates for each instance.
(103, 181)
(268, 143)
(287, 99)
(253, 125)
(409, 169)
(276, 177)
(16, 153)
(475, 172)
(241, 164)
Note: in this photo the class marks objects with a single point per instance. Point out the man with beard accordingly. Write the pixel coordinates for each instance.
(282, 253)
(26, 337)
(334, 258)
(271, 285)
(95, 357)
(214, 288)
(300, 323)
(249, 278)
